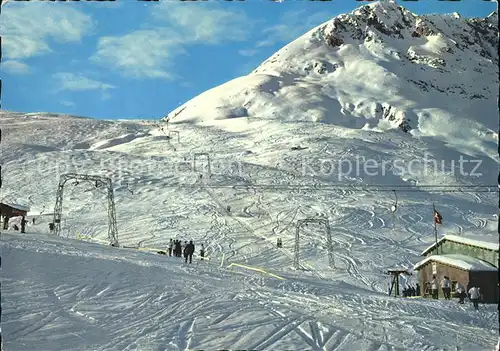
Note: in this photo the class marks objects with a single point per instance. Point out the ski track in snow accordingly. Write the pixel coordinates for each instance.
(162, 316)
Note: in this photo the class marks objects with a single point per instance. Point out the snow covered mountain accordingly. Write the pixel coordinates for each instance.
(379, 66)
(375, 97)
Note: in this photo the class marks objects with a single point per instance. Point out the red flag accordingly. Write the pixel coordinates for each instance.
(438, 219)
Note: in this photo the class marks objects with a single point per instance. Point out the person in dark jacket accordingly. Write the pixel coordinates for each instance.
(185, 253)
(178, 250)
(189, 251)
(461, 293)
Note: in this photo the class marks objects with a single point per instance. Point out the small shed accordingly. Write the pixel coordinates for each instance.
(466, 270)
(13, 210)
(9, 210)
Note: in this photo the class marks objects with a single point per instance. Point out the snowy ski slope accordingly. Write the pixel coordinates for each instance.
(280, 143)
(69, 295)
(62, 294)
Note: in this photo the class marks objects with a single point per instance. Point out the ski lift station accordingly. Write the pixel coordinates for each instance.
(468, 260)
(10, 210)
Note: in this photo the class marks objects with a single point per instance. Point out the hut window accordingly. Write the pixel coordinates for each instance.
(434, 268)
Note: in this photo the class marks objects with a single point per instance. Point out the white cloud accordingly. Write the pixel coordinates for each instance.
(248, 53)
(67, 103)
(202, 23)
(107, 4)
(143, 53)
(15, 67)
(27, 28)
(150, 51)
(291, 25)
(73, 82)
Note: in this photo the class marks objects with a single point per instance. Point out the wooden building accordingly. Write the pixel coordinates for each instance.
(470, 261)
(13, 210)
(9, 210)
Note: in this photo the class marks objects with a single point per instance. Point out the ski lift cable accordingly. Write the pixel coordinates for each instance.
(367, 189)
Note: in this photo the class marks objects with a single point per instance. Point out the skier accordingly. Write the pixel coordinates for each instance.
(474, 296)
(202, 252)
(189, 251)
(23, 225)
(185, 253)
(461, 293)
(170, 247)
(434, 288)
(446, 287)
(178, 249)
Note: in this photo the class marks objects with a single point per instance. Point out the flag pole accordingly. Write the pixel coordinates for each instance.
(435, 228)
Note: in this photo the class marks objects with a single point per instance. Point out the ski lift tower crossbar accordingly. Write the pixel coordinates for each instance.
(98, 180)
(170, 132)
(304, 222)
(195, 156)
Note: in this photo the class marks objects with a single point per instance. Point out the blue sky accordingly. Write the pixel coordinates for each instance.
(141, 60)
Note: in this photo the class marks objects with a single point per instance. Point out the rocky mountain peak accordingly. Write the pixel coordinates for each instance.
(378, 64)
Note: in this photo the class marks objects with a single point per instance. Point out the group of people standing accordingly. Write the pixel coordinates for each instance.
(411, 290)
(178, 249)
(474, 292)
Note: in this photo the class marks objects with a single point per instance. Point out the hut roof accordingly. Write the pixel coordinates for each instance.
(16, 206)
(489, 242)
(463, 262)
